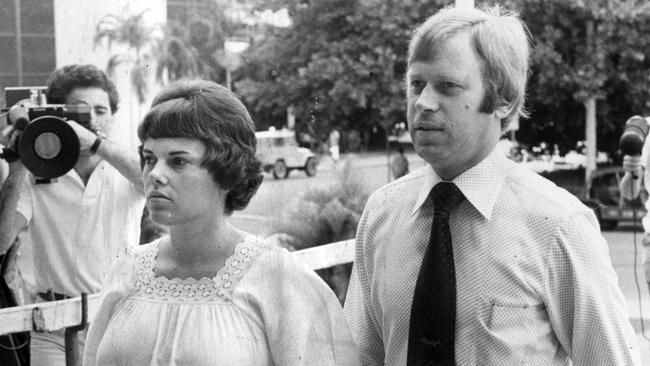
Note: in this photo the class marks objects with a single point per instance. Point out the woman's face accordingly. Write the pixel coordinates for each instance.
(179, 189)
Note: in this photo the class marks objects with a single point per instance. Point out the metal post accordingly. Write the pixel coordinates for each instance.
(19, 43)
(590, 135)
(228, 79)
(388, 172)
(73, 352)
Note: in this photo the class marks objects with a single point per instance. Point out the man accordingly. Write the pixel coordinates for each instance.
(637, 171)
(400, 165)
(473, 259)
(333, 141)
(77, 225)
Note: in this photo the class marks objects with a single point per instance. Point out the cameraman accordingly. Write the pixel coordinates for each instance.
(78, 224)
(637, 171)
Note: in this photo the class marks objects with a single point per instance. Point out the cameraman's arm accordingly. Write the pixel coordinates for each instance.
(11, 222)
(630, 184)
(127, 162)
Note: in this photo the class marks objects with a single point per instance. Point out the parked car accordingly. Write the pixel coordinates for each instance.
(604, 196)
(280, 154)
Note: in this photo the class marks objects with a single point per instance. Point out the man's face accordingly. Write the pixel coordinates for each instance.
(101, 117)
(444, 96)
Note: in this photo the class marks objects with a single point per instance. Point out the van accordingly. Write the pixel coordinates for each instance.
(280, 154)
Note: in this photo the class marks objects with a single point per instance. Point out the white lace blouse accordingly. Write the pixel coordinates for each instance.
(262, 308)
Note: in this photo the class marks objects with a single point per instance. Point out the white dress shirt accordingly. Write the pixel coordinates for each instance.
(75, 231)
(535, 283)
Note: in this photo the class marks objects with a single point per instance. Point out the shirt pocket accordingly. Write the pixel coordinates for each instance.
(514, 334)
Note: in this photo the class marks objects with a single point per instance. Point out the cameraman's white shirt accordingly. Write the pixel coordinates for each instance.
(75, 232)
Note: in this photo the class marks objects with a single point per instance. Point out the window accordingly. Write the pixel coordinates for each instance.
(27, 41)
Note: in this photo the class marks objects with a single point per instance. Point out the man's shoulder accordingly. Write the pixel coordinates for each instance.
(405, 188)
(540, 193)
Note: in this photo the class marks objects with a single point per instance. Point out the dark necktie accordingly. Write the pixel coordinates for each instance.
(433, 313)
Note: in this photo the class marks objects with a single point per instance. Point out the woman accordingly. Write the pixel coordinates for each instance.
(210, 294)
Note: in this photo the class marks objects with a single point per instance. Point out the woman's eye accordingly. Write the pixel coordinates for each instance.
(179, 162)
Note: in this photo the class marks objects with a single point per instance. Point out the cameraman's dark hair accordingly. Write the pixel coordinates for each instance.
(209, 112)
(62, 81)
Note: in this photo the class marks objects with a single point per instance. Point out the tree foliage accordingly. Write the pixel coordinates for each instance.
(569, 65)
(132, 32)
(341, 64)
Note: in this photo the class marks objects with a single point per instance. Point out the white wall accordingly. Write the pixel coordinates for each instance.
(74, 26)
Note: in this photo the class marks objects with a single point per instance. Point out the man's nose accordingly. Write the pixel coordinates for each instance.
(93, 120)
(428, 99)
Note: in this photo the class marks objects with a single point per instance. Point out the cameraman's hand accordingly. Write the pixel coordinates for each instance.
(633, 165)
(86, 137)
(9, 146)
(16, 169)
(6, 134)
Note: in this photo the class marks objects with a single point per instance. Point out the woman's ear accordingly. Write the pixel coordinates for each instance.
(502, 111)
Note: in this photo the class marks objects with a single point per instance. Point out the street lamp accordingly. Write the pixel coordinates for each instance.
(233, 47)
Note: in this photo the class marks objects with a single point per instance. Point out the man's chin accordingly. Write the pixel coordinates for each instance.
(430, 152)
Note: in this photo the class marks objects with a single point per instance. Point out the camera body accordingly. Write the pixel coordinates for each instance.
(48, 146)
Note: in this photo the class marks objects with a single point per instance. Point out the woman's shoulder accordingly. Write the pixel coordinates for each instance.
(143, 253)
(273, 258)
(276, 266)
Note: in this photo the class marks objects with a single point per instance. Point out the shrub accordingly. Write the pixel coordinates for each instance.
(324, 215)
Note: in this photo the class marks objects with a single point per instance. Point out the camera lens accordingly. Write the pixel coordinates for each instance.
(47, 145)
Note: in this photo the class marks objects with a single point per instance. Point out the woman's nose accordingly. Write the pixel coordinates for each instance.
(156, 175)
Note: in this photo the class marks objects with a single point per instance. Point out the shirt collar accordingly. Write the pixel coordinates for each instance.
(480, 184)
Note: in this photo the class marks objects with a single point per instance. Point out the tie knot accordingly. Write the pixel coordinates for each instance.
(445, 197)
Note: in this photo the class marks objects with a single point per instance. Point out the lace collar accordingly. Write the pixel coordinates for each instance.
(218, 288)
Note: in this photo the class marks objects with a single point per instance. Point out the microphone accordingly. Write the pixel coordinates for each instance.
(634, 134)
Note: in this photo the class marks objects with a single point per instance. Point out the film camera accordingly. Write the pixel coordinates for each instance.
(47, 146)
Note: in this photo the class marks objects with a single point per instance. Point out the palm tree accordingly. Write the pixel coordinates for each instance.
(181, 53)
(132, 32)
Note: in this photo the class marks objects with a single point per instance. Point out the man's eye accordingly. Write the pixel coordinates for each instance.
(416, 86)
(448, 87)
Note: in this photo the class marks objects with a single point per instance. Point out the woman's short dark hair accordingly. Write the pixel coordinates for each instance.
(62, 81)
(209, 112)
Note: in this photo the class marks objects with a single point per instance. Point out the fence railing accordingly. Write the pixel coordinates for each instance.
(68, 313)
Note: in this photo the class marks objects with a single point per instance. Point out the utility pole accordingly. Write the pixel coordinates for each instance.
(590, 112)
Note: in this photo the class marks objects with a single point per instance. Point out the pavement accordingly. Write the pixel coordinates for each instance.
(370, 159)
(626, 253)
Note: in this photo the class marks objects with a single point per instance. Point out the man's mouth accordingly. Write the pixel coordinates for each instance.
(428, 128)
